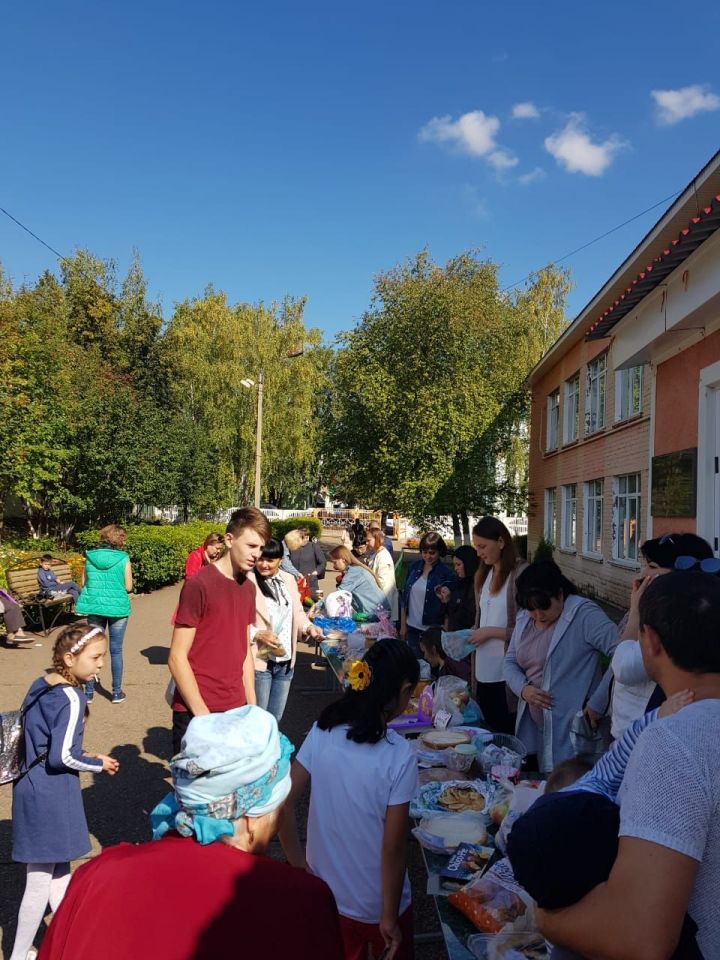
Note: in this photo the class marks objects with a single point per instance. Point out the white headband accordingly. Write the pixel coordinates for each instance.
(79, 644)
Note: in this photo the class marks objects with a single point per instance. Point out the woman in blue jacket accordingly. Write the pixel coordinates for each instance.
(421, 607)
(554, 661)
(360, 581)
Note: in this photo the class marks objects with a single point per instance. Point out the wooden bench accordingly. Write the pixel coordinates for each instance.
(22, 581)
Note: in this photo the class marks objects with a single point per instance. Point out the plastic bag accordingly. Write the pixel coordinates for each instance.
(523, 797)
(495, 901)
(456, 645)
(586, 742)
(452, 696)
(339, 604)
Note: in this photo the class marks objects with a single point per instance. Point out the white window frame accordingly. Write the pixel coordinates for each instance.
(553, 420)
(625, 395)
(593, 496)
(571, 410)
(596, 395)
(550, 516)
(627, 503)
(568, 516)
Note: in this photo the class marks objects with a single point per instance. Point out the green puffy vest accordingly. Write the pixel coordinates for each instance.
(104, 592)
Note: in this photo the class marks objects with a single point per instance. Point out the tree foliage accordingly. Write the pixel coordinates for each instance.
(428, 390)
(105, 407)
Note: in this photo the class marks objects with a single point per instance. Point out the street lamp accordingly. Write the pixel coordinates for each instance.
(296, 351)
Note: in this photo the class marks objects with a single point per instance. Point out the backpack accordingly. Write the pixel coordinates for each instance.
(12, 743)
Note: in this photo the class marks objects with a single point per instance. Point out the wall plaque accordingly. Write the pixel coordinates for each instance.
(674, 484)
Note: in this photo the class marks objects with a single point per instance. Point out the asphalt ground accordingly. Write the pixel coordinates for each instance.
(137, 733)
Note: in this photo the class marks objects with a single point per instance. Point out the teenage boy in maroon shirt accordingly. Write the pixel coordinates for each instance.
(210, 658)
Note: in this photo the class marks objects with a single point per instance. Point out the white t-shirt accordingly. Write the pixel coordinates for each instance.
(280, 612)
(671, 796)
(493, 613)
(632, 688)
(416, 605)
(352, 786)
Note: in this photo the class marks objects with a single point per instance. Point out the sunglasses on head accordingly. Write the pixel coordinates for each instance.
(708, 565)
(666, 538)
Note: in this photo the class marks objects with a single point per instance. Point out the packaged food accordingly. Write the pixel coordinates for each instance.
(495, 901)
(458, 796)
(443, 833)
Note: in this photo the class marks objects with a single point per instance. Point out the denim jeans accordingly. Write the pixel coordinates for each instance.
(115, 627)
(272, 687)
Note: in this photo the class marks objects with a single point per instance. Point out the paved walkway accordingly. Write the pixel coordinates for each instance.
(137, 733)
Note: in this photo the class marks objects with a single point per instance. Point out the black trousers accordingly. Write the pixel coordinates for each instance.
(492, 700)
(181, 721)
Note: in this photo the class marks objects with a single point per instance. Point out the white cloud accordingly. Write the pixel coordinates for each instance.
(502, 160)
(472, 133)
(525, 111)
(532, 177)
(574, 150)
(676, 105)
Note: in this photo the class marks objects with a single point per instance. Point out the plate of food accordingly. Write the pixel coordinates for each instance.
(453, 796)
(445, 739)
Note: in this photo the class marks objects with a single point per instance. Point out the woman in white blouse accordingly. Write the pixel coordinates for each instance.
(280, 612)
(497, 610)
(382, 565)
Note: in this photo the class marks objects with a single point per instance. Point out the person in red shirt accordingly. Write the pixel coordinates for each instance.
(211, 550)
(210, 658)
(204, 890)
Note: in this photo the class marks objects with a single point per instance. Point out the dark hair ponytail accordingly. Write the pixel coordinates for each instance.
(393, 664)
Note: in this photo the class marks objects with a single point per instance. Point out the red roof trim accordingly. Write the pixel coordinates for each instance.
(685, 232)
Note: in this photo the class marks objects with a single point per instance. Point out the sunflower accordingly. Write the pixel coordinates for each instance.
(359, 675)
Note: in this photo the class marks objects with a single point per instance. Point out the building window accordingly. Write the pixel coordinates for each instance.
(571, 410)
(549, 528)
(595, 395)
(626, 517)
(568, 517)
(628, 393)
(593, 514)
(553, 420)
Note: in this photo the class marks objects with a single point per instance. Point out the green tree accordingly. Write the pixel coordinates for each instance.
(428, 388)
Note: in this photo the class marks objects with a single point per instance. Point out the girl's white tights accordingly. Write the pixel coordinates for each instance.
(45, 883)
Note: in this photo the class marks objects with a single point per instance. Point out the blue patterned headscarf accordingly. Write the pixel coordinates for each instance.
(231, 765)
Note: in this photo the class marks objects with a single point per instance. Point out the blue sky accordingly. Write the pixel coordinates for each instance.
(301, 148)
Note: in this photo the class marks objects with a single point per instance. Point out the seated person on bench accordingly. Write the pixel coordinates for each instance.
(50, 586)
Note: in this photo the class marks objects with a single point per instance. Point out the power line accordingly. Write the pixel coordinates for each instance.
(34, 235)
(596, 239)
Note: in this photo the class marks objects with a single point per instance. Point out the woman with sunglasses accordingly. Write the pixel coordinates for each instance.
(553, 663)
(632, 688)
(420, 605)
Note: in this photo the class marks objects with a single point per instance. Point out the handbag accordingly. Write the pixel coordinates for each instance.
(12, 743)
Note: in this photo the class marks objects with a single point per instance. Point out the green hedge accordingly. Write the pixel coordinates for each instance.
(281, 527)
(158, 553)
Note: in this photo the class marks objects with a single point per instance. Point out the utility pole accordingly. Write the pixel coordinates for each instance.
(258, 438)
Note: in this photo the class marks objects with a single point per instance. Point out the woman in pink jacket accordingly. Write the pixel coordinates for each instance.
(279, 611)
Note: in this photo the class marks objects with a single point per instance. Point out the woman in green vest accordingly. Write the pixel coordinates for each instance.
(105, 598)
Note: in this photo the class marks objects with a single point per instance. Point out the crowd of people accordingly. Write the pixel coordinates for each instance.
(624, 863)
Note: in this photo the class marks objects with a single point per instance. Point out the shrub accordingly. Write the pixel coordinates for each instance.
(543, 551)
(281, 527)
(158, 553)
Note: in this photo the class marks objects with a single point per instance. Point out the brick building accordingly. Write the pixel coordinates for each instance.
(625, 420)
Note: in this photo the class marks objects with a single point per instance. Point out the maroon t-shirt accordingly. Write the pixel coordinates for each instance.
(175, 899)
(221, 610)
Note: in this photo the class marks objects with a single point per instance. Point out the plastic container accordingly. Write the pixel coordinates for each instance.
(509, 742)
(461, 757)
